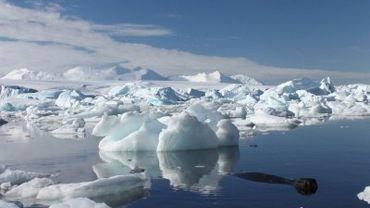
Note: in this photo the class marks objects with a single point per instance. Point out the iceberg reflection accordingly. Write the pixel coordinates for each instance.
(196, 170)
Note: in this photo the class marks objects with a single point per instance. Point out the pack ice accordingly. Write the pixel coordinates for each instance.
(176, 115)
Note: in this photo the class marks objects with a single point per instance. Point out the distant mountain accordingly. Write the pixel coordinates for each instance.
(113, 73)
(26, 74)
(244, 79)
(217, 76)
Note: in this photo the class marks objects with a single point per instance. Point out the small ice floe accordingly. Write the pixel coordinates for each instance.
(265, 121)
(79, 203)
(365, 195)
(73, 128)
(116, 190)
(28, 189)
(17, 177)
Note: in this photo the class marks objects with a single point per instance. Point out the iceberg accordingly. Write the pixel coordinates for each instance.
(186, 132)
(200, 127)
(10, 91)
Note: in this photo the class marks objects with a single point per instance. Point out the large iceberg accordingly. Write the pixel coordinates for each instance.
(200, 127)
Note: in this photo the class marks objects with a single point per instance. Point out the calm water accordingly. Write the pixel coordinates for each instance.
(336, 154)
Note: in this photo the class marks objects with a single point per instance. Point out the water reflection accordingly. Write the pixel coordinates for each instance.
(304, 186)
(198, 171)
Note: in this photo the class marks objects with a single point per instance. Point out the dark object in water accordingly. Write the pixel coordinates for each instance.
(2, 122)
(253, 145)
(137, 170)
(304, 186)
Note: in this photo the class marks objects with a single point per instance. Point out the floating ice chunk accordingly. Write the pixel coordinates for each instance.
(365, 195)
(117, 188)
(165, 96)
(265, 121)
(28, 189)
(193, 93)
(49, 94)
(69, 99)
(212, 93)
(73, 128)
(4, 204)
(227, 133)
(16, 177)
(186, 132)
(79, 203)
(118, 127)
(109, 107)
(327, 85)
(143, 139)
(9, 91)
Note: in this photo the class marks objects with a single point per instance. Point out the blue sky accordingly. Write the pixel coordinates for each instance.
(327, 34)
(323, 34)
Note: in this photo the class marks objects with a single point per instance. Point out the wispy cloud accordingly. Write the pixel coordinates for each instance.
(133, 30)
(48, 40)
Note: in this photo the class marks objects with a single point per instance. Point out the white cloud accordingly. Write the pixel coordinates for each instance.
(132, 30)
(47, 40)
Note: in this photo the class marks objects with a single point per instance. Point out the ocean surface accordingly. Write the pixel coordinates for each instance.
(335, 155)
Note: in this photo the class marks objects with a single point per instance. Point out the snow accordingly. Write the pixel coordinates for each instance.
(80, 203)
(365, 195)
